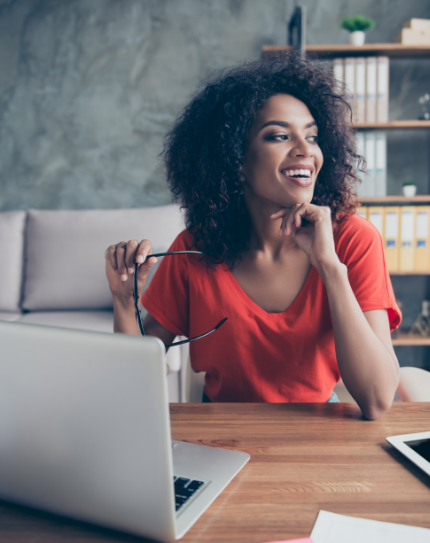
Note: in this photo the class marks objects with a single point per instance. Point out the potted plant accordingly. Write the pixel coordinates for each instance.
(409, 189)
(356, 26)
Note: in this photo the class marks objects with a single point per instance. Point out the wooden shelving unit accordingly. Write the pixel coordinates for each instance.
(409, 272)
(393, 125)
(405, 340)
(393, 50)
(393, 199)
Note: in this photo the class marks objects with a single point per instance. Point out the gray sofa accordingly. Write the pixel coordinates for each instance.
(53, 268)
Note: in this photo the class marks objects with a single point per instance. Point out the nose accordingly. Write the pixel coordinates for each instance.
(301, 148)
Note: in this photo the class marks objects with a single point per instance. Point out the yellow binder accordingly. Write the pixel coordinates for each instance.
(391, 237)
(375, 216)
(422, 253)
(361, 212)
(407, 238)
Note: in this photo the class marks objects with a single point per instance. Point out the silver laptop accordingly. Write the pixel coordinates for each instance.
(85, 432)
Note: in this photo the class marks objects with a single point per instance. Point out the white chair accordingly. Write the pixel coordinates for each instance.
(192, 384)
(414, 385)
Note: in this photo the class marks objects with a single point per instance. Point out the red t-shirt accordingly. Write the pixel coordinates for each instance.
(266, 357)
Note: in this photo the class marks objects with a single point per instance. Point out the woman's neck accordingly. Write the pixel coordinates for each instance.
(264, 234)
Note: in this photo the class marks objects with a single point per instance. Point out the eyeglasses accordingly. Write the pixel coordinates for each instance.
(136, 300)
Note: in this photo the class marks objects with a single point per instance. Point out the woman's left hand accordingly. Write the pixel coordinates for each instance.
(316, 238)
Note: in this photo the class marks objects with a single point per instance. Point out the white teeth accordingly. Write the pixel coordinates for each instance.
(304, 173)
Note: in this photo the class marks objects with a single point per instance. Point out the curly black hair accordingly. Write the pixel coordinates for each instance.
(204, 150)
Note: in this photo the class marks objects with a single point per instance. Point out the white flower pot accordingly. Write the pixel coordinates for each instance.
(409, 190)
(357, 37)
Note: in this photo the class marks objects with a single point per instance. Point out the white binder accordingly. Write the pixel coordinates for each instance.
(360, 89)
(371, 89)
(350, 83)
(381, 164)
(360, 188)
(369, 153)
(382, 89)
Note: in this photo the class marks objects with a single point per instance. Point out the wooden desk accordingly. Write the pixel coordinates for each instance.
(304, 457)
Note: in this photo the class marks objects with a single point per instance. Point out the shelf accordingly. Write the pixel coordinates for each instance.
(393, 125)
(420, 199)
(393, 50)
(409, 272)
(403, 339)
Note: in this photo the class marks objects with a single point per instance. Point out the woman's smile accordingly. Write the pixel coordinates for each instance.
(283, 158)
(300, 174)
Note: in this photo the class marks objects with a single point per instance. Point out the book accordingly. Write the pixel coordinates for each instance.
(302, 540)
(418, 24)
(414, 36)
(371, 89)
(349, 78)
(407, 238)
(369, 153)
(375, 215)
(391, 237)
(382, 70)
(360, 90)
(380, 164)
(360, 187)
(361, 212)
(422, 252)
(338, 72)
(333, 528)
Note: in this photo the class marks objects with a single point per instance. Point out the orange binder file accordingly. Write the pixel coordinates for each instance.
(391, 237)
(422, 252)
(407, 238)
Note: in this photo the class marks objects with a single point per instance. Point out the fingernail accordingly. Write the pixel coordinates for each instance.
(123, 277)
(130, 270)
(139, 259)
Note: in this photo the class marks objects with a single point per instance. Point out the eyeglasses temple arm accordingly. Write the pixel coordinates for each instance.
(197, 337)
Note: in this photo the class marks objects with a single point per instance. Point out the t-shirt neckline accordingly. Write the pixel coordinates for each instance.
(255, 307)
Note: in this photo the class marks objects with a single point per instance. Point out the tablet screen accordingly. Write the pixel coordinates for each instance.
(421, 447)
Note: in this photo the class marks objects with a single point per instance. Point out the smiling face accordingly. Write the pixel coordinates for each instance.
(283, 158)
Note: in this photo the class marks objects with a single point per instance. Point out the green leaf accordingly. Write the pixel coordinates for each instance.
(358, 22)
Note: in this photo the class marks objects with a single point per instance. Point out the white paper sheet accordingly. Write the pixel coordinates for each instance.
(334, 528)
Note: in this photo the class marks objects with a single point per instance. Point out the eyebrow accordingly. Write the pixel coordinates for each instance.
(285, 125)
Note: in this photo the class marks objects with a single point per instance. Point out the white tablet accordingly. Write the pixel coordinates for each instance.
(414, 446)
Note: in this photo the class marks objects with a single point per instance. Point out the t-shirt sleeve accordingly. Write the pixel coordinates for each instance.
(361, 249)
(166, 297)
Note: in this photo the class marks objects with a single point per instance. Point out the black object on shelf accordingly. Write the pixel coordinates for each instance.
(297, 30)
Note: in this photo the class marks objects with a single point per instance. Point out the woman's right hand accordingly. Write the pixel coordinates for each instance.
(120, 264)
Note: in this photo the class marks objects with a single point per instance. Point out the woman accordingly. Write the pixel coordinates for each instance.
(263, 160)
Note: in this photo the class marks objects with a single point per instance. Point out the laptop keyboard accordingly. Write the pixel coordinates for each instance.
(184, 489)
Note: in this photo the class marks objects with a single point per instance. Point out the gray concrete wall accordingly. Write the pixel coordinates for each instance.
(88, 88)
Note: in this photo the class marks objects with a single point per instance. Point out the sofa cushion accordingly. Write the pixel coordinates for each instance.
(65, 263)
(12, 225)
(9, 316)
(95, 321)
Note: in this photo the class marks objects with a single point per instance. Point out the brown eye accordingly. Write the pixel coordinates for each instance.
(277, 137)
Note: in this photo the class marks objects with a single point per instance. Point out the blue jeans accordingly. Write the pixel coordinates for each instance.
(333, 398)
